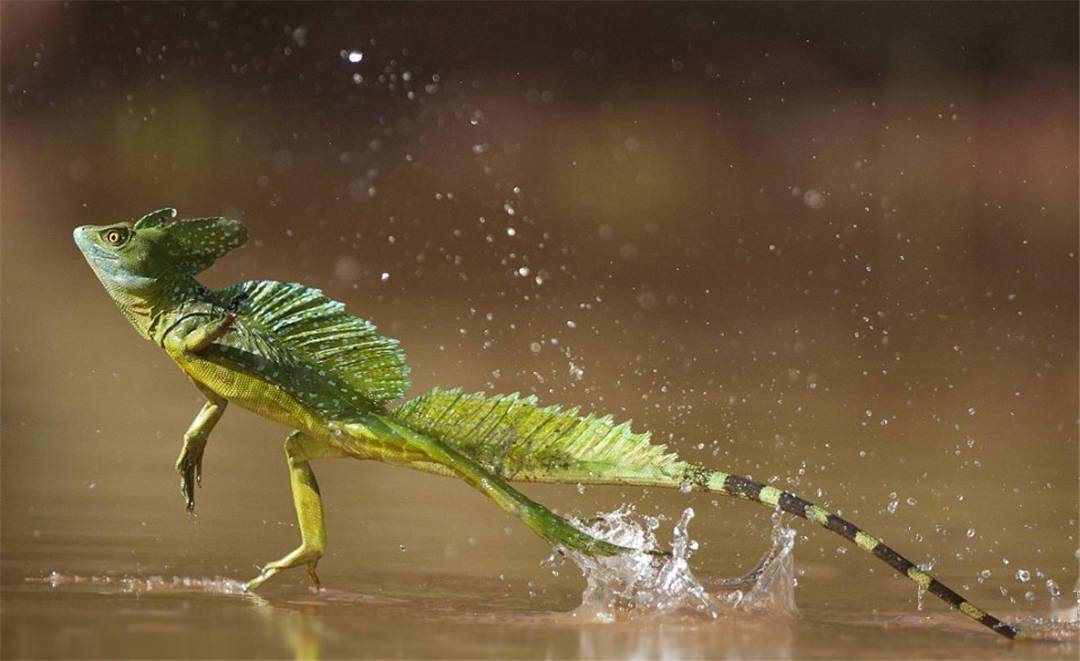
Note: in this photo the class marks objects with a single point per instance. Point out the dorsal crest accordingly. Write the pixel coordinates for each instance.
(305, 325)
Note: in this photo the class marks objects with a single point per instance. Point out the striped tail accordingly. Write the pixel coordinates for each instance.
(518, 440)
(741, 487)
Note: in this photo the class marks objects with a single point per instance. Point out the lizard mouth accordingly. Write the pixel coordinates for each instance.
(88, 247)
(96, 255)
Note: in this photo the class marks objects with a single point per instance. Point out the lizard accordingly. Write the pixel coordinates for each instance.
(289, 353)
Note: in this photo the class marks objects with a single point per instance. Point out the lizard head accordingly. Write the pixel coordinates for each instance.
(134, 257)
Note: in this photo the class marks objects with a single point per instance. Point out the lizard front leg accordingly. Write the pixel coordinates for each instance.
(204, 335)
(194, 333)
(300, 448)
(189, 464)
(190, 335)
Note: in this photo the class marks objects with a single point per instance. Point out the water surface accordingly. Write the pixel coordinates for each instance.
(832, 247)
(113, 586)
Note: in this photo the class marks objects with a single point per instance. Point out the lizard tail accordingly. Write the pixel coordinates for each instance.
(741, 487)
(518, 440)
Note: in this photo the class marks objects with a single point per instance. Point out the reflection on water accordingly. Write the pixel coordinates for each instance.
(666, 612)
(337, 623)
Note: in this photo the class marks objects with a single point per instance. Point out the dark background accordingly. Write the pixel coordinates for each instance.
(828, 244)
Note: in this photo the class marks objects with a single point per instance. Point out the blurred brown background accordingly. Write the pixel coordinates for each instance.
(833, 244)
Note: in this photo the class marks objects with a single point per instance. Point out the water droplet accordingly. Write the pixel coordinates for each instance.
(354, 56)
(1023, 575)
(814, 199)
(1053, 588)
(647, 300)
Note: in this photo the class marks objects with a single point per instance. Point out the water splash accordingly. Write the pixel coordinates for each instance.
(771, 586)
(1051, 629)
(641, 585)
(137, 584)
(1062, 625)
(920, 591)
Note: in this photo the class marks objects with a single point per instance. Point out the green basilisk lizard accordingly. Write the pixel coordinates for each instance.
(287, 352)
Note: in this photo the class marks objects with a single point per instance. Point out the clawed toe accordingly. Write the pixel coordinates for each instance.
(315, 584)
(266, 572)
(271, 569)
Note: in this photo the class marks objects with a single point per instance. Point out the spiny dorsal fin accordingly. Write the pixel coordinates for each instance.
(318, 332)
(517, 439)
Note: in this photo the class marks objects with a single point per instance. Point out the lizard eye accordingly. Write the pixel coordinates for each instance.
(116, 237)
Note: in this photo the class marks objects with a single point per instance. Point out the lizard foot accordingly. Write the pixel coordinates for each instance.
(264, 575)
(301, 556)
(189, 466)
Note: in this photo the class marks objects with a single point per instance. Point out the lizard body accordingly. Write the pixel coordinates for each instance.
(286, 352)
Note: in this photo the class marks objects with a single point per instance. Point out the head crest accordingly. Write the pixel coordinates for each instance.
(195, 242)
(155, 218)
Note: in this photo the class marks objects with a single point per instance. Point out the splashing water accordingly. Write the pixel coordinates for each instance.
(1048, 629)
(1063, 624)
(772, 583)
(138, 584)
(642, 585)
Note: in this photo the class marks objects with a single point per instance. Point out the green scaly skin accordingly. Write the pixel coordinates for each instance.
(287, 353)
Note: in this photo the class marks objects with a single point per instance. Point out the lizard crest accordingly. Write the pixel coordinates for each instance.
(154, 248)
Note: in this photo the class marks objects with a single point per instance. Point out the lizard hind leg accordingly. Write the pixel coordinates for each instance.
(445, 460)
(300, 448)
